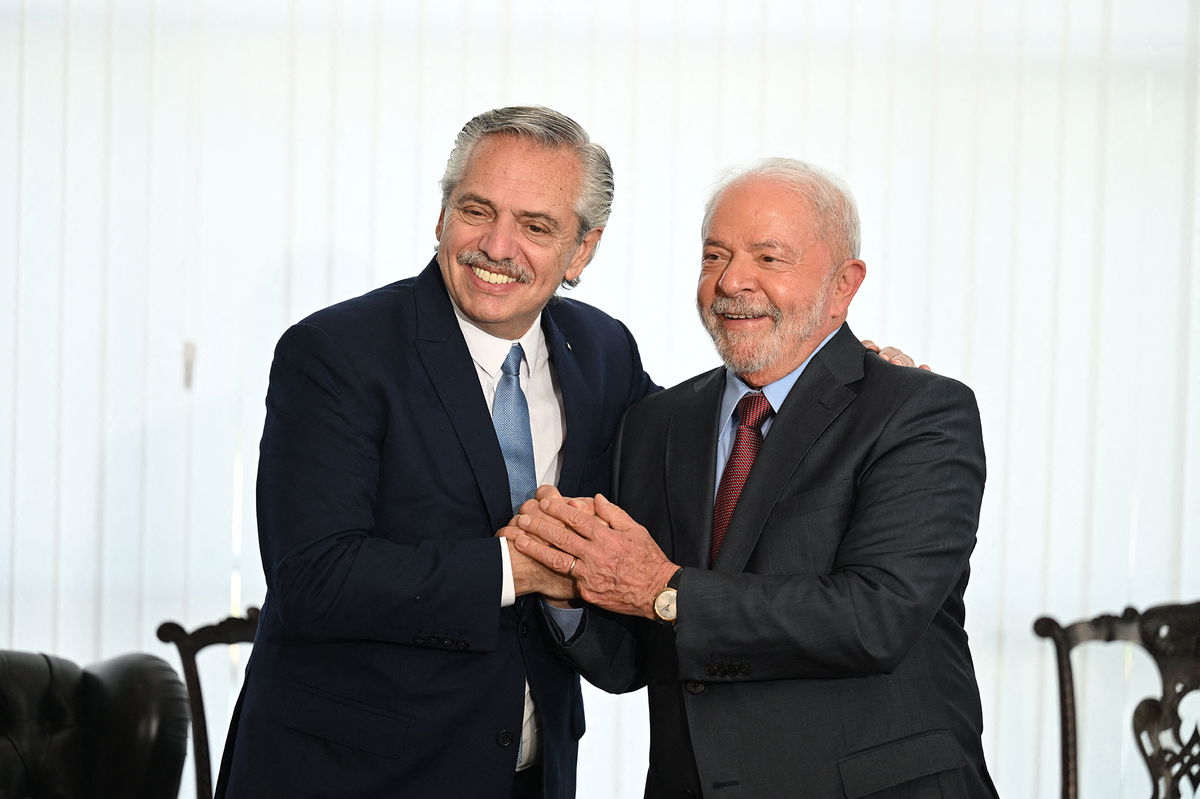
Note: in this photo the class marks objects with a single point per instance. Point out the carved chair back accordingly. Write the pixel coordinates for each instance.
(1170, 634)
(233, 630)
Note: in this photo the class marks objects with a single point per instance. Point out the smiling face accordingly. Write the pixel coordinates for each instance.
(770, 289)
(508, 235)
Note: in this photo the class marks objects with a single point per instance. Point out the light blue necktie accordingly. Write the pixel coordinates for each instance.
(510, 416)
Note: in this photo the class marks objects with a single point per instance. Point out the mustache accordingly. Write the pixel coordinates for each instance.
(741, 306)
(508, 267)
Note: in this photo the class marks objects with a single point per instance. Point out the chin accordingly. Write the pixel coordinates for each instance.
(746, 358)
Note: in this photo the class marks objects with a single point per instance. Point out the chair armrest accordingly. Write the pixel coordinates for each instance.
(137, 722)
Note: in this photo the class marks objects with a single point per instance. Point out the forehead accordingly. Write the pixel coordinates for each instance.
(762, 210)
(514, 172)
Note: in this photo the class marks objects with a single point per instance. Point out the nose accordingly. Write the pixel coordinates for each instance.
(738, 275)
(499, 241)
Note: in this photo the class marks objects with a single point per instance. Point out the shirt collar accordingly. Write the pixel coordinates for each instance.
(775, 392)
(488, 352)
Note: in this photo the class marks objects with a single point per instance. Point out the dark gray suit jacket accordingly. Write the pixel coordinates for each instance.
(825, 655)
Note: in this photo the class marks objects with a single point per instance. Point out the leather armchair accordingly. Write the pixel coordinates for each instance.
(117, 728)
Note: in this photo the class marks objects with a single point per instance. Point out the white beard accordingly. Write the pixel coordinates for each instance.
(747, 353)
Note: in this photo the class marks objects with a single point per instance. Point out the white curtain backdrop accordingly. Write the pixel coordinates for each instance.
(181, 179)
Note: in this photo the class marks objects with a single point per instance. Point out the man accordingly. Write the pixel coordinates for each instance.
(794, 600)
(391, 658)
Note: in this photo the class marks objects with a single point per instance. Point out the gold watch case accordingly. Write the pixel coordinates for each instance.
(664, 605)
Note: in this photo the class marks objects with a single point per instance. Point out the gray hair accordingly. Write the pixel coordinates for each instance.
(825, 192)
(551, 129)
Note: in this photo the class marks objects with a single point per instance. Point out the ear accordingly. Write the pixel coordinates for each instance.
(849, 277)
(583, 253)
(437, 231)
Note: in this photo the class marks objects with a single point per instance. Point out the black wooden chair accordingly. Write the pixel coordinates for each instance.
(1170, 634)
(233, 630)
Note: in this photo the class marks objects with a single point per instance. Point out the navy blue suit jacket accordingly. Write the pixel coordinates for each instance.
(384, 665)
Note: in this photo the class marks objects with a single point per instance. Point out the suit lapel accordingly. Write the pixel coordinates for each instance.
(447, 362)
(819, 396)
(578, 404)
(691, 464)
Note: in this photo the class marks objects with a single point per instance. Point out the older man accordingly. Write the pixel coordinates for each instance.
(397, 654)
(792, 588)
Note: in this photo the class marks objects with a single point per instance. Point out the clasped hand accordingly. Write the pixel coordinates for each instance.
(611, 560)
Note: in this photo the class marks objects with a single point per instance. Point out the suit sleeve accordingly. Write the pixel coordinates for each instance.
(909, 538)
(605, 648)
(640, 385)
(331, 573)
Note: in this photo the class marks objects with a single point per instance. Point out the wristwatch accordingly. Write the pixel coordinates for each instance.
(665, 607)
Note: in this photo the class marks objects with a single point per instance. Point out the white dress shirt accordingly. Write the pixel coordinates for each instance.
(547, 422)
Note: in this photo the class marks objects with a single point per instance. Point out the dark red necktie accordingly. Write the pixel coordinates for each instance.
(752, 410)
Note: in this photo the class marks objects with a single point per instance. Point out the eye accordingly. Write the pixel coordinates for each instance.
(769, 259)
(537, 230)
(474, 214)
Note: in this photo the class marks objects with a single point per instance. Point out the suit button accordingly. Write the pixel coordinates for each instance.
(505, 738)
(462, 644)
(694, 687)
(711, 670)
(419, 640)
(524, 630)
(743, 669)
(446, 642)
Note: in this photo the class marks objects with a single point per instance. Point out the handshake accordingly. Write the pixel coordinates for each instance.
(585, 548)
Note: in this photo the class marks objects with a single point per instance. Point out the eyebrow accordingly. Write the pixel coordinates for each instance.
(769, 244)
(472, 198)
(766, 244)
(551, 223)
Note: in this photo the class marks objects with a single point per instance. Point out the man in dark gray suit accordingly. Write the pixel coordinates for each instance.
(792, 588)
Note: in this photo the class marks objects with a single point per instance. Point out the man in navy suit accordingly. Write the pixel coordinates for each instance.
(791, 591)
(400, 649)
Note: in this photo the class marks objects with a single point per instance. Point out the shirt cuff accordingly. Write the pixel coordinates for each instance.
(508, 587)
(565, 619)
